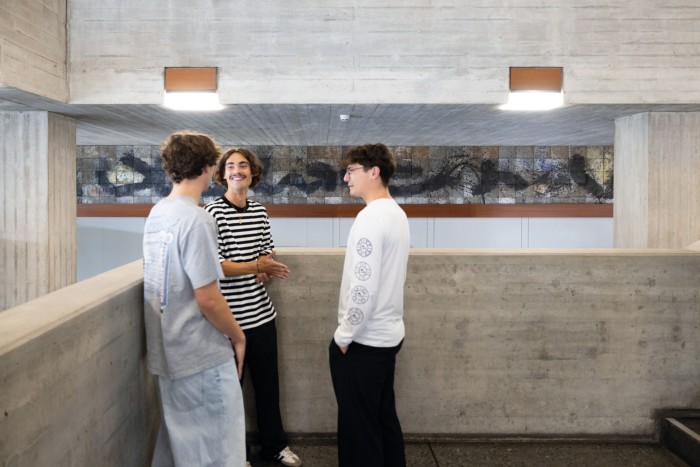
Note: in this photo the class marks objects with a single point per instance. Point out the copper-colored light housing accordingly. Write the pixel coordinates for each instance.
(191, 79)
(536, 79)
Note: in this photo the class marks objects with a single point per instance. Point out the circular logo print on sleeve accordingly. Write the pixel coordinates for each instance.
(355, 316)
(359, 295)
(363, 271)
(364, 247)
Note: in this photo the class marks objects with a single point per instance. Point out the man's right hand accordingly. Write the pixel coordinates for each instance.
(268, 265)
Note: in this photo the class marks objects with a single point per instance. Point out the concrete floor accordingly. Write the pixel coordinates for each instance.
(530, 454)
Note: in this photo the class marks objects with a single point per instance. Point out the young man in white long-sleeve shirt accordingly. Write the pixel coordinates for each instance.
(370, 328)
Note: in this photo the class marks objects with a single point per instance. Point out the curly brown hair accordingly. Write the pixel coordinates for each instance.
(185, 154)
(370, 155)
(256, 167)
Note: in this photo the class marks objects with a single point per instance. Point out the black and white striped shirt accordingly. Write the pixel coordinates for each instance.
(244, 234)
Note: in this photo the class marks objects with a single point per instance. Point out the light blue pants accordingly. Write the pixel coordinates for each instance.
(203, 423)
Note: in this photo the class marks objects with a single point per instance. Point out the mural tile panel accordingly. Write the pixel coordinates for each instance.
(425, 175)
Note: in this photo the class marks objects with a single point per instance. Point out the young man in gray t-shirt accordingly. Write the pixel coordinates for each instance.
(194, 345)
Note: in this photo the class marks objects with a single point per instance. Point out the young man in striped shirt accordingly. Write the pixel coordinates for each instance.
(246, 256)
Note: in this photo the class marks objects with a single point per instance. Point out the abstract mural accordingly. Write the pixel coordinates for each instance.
(425, 175)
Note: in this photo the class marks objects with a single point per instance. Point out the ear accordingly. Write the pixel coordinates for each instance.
(375, 172)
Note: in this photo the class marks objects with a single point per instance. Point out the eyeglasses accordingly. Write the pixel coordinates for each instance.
(350, 170)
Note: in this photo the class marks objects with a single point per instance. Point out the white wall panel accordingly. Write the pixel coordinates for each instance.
(477, 233)
(570, 233)
(290, 232)
(420, 228)
(105, 243)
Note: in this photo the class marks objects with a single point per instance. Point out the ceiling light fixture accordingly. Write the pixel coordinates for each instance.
(344, 117)
(191, 89)
(535, 88)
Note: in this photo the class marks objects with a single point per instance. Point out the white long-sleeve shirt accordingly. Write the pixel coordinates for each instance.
(370, 308)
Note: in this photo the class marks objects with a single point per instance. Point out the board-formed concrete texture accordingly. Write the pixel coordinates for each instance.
(583, 344)
(74, 389)
(522, 342)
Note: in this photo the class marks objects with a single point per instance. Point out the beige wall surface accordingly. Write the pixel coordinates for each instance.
(33, 47)
(553, 343)
(631, 216)
(37, 193)
(74, 389)
(385, 51)
(657, 180)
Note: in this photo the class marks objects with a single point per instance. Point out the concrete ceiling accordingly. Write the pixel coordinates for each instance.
(320, 125)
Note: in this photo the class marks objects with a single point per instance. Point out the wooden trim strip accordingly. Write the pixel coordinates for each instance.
(412, 210)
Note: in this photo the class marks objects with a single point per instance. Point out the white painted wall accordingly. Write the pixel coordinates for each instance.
(107, 242)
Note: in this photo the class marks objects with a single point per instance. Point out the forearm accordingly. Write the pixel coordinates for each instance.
(232, 269)
(262, 264)
(216, 310)
(222, 319)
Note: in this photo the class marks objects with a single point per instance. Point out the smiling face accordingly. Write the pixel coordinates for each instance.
(357, 177)
(237, 172)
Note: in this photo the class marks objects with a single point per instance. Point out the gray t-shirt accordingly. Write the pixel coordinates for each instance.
(180, 255)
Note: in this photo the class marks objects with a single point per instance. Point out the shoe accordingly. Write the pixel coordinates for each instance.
(288, 458)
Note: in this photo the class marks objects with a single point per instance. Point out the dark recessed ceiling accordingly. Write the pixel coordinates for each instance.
(320, 125)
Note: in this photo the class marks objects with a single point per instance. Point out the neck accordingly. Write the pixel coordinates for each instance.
(237, 197)
(186, 188)
(379, 193)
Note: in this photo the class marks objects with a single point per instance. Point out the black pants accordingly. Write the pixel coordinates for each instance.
(261, 361)
(369, 432)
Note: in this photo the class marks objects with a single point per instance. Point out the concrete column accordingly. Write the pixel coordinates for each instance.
(657, 180)
(37, 195)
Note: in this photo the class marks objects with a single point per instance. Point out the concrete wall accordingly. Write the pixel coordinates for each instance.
(657, 190)
(557, 343)
(385, 51)
(631, 208)
(37, 195)
(74, 390)
(33, 47)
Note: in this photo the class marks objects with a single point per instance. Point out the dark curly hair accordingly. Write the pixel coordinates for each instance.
(185, 154)
(370, 155)
(256, 167)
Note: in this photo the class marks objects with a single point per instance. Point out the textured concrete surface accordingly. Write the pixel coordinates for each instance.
(422, 51)
(546, 342)
(555, 343)
(38, 218)
(656, 180)
(467, 454)
(74, 390)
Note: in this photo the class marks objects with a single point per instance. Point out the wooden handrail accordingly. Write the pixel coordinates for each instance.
(412, 210)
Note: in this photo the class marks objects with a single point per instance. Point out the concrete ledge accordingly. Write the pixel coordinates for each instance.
(501, 345)
(74, 389)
